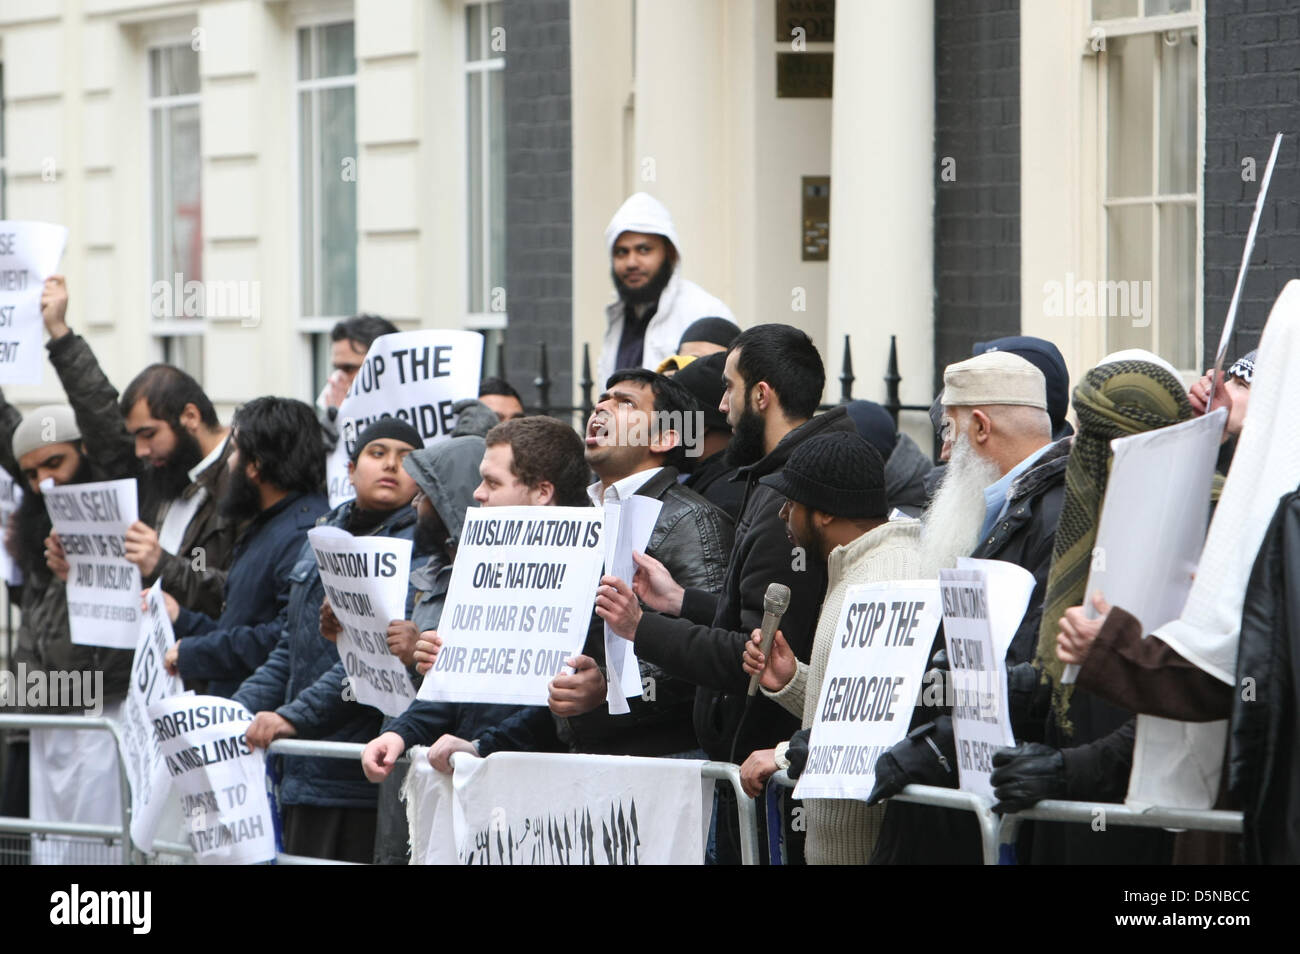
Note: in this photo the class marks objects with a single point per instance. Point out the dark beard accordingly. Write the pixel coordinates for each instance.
(169, 481)
(32, 525)
(748, 440)
(650, 291)
(242, 499)
(430, 537)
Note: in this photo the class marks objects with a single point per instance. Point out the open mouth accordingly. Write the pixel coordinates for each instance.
(597, 431)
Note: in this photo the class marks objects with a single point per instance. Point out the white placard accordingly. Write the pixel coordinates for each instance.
(414, 376)
(220, 778)
(873, 679)
(103, 586)
(365, 580)
(11, 495)
(981, 722)
(141, 754)
(530, 808)
(29, 254)
(519, 603)
(629, 525)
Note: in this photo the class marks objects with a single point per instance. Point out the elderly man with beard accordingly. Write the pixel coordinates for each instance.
(655, 305)
(277, 470)
(185, 453)
(69, 445)
(999, 499)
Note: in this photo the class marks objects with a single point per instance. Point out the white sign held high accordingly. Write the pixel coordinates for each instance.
(29, 254)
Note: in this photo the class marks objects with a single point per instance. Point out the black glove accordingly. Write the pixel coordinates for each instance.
(1029, 696)
(1025, 775)
(797, 753)
(928, 756)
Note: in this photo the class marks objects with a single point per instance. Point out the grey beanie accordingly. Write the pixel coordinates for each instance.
(48, 424)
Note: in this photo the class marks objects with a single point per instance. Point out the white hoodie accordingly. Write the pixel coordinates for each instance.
(681, 302)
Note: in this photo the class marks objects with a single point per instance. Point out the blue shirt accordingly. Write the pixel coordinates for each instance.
(995, 494)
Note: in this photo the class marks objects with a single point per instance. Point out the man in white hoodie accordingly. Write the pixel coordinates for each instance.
(655, 304)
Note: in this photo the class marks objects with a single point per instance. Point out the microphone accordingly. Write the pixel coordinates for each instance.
(775, 602)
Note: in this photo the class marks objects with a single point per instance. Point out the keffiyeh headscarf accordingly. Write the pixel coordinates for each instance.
(1114, 400)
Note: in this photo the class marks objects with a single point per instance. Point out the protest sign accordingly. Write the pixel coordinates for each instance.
(11, 495)
(519, 603)
(628, 526)
(980, 720)
(29, 254)
(414, 376)
(103, 586)
(873, 678)
(141, 754)
(365, 583)
(530, 808)
(1150, 533)
(220, 778)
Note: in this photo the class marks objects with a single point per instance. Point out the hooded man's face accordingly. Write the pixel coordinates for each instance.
(642, 266)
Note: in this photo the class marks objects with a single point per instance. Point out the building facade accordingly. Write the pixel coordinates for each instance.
(941, 171)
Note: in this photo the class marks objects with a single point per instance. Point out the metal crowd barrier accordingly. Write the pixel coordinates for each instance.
(718, 771)
(999, 832)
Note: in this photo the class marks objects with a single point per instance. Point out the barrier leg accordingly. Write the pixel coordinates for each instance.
(1008, 833)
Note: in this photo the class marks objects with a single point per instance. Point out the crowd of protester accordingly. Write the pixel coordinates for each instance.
(774, 490)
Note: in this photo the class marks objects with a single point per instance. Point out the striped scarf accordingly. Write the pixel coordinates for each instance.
(1113, 400)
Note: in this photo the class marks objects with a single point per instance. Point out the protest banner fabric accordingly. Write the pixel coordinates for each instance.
(414, 376)
(220, 778)
(519, 603)
(365, 583)
(103, 586)
(29, 254)
(981, 722)
(873, 679)
(141, 754)
(531, 808)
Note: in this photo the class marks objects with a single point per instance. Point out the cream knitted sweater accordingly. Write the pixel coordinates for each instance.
(843, 831)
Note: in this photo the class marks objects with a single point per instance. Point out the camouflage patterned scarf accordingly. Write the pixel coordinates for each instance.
(1113, 400)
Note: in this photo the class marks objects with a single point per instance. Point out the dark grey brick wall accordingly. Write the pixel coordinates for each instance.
(539, 207)
(977, 216)
(1252, 90)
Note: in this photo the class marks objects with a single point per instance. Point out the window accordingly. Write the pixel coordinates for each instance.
(4, 172)
(1150, 77)
(486, 173)
(176, 210)
(327, 157)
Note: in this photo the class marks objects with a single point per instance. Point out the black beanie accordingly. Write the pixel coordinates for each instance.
(392, 427)
(838, 473)
(703, 378)
(718, 331)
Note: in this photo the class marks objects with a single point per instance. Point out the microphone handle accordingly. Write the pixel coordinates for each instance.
(771, 623)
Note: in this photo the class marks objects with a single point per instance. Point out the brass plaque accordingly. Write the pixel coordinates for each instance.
(816, 207)
(804, 75)
(816, 17)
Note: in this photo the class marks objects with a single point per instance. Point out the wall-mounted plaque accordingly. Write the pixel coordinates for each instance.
(816, 209)
(804, 75)
(815, 17)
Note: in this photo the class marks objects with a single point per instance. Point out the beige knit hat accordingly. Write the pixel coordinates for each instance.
(48, 424)
(995, 377)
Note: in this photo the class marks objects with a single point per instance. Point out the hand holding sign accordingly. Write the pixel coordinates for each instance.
(55, 558)
(1079, 629)
(617, 605)
(447, 746)
(402, 638)
(54, 306)
(427, 648)
(142, 547)
(574, 693)
(778, 670)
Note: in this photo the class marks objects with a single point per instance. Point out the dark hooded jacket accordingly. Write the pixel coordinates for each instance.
(906, 471)
(44, 635)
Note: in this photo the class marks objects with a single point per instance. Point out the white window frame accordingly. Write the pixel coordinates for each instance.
(305, 15)
(1132, 27)
(480, 320)
(158, 36)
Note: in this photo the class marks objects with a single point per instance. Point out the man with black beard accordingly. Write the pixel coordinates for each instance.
(773, 381)
(277, 469)
(70, 445)
(185, 454)
(655, 304)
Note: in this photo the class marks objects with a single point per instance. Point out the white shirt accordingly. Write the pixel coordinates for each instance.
(620, 490)
(181, 511)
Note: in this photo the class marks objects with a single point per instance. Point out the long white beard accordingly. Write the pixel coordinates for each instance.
(951, 524)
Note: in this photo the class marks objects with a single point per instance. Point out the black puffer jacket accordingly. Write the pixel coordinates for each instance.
(1263, 771)
(44, 636)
